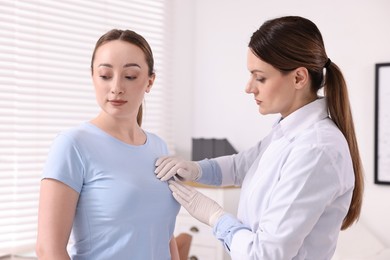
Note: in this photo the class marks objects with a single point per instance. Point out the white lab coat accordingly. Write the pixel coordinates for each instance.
(297, 186)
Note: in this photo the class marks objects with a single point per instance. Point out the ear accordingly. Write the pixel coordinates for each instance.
(301, 77)
(150, 82)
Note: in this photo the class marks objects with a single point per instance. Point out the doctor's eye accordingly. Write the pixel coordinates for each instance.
(262, 80)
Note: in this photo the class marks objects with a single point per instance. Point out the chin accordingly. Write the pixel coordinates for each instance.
(261, 111)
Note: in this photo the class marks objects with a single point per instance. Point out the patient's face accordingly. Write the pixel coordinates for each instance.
(120, 76)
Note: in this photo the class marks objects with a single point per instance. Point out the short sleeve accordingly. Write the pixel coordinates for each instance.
(64, 163)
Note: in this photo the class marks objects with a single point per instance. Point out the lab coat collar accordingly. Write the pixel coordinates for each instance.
(301, 119)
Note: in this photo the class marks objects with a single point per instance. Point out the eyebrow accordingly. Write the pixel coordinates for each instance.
(255, 70)
(127, 65)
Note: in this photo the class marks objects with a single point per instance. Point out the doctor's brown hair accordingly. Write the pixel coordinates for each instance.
(132, 38)
(291, 42)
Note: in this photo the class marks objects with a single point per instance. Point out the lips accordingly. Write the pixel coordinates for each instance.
(117, 102)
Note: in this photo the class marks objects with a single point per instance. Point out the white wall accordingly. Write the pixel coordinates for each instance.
(210, 74)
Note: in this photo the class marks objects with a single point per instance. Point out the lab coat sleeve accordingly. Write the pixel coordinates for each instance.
(309, 182)
(226, 227)
(228, 170)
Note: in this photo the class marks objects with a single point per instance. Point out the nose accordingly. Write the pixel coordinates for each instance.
(117, 87)
(249, 87)
(116, 91)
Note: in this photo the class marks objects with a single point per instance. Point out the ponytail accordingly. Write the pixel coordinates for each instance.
(139, 115)
(340, 112)
(291, 42)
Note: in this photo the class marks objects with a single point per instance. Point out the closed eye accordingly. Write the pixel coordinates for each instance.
(104, 77)
(130, 77)
(262, 80)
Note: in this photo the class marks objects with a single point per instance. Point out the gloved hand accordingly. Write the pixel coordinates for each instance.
(198, 205)
(169, 166)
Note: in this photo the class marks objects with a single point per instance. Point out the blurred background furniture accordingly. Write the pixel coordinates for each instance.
(183, 241)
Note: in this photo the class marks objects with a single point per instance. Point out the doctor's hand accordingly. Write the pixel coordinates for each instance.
(169, 166)
(198, 205)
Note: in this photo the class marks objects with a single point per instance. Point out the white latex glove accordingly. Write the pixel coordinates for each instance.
(169, 166)
(198, 205)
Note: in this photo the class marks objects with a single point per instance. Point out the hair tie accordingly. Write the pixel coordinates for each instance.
(327, 63)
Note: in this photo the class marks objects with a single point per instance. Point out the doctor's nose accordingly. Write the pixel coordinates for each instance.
(249, 89)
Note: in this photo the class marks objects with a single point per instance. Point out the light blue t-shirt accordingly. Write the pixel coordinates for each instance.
(124, 212)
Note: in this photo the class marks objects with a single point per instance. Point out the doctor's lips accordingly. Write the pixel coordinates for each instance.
(117, 102)
(258, 101)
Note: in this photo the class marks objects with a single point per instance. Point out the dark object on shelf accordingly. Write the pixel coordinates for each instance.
(203, 148)
(382, 126)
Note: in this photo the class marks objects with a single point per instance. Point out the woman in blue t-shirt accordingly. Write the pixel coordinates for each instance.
(98, 188)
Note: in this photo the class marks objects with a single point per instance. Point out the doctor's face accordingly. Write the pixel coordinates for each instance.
(273, 91)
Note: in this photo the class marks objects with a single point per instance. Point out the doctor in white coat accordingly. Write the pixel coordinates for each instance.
(303, 182)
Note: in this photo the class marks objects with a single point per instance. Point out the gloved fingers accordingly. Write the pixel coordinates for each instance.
(180, 187)
(166, 167)
(161, 162)
(168, 171)
(179, 175)
(183, 191)
(182, 172)
(163, 159)
(180, 199)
